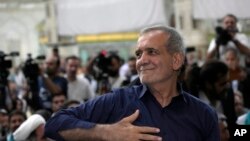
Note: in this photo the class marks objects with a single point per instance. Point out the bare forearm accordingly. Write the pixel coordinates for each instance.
(52, 87)
(243, 49)
(212, 53)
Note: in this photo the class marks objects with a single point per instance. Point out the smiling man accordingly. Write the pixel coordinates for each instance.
(158, 109)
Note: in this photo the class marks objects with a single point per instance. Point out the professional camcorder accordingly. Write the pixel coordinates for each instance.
(103, 65)
(31, 71)
(102, 70)
(5, 64)
(31, 68)
(223, 35)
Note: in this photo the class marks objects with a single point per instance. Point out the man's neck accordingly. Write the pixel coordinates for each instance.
(164, 93)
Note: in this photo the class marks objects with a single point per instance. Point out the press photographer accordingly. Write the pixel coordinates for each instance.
(44, 81)
(228, 36)
(5, 65)
(50, 82)
(223, 36)
(105, 69)
(32, 64)
(31, 71)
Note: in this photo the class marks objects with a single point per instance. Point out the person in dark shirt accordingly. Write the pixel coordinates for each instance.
(50, 82)
(157, 109)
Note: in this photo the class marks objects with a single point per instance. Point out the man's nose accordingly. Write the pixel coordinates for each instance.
(144, 58)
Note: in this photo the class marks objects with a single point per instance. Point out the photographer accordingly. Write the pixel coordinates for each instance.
(229, 37)
(5, 65)
(105, 69)
(50, 83)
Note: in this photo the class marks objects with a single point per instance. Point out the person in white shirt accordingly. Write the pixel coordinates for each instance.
(229, 37)
(78, 87)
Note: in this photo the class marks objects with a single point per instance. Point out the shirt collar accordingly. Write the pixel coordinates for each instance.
(179, 88)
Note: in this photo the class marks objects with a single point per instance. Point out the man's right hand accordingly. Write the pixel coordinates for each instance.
(124, 130)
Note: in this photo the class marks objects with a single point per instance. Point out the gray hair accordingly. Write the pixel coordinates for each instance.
(175, 42)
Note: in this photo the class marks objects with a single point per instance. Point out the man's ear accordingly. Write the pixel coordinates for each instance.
(177, 61)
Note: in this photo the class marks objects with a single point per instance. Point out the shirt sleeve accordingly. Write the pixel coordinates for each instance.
(243, 39)
(84, 116)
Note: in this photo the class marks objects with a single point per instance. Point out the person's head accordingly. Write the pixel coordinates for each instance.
(33, 127)
(115, 64)
(57, 102)
(52, 64)
(214, 79)
(231, 58)
(132, 65)
(72, 65)
(19, 105)
(4, 117)
(224, 132)
(16, 118)
(55, 51)
(229, 22)
(238, 103)
(190, 55)
(160, 55)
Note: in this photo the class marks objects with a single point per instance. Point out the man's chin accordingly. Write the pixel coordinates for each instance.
(145, 81)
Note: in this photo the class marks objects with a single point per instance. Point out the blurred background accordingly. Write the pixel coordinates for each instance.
(84, 27)
(57, 54)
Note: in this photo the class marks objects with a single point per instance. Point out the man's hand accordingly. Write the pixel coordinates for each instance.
(124, 130)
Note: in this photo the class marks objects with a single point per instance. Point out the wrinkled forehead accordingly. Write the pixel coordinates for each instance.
(155, 37)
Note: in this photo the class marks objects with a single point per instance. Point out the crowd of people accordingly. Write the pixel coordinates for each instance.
(157, 94)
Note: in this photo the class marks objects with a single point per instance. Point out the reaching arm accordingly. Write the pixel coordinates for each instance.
(75, 129)
(99, 119)
(52, 87)
(81, 117)
(213, 50)
(122, 131)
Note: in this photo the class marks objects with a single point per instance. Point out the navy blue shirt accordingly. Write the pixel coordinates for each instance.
(45, 97)
(186, 118)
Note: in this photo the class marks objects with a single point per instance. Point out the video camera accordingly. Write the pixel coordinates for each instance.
(102, 69)
(5, 64)
(31, 68)
(223, 36)
(102, 64)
